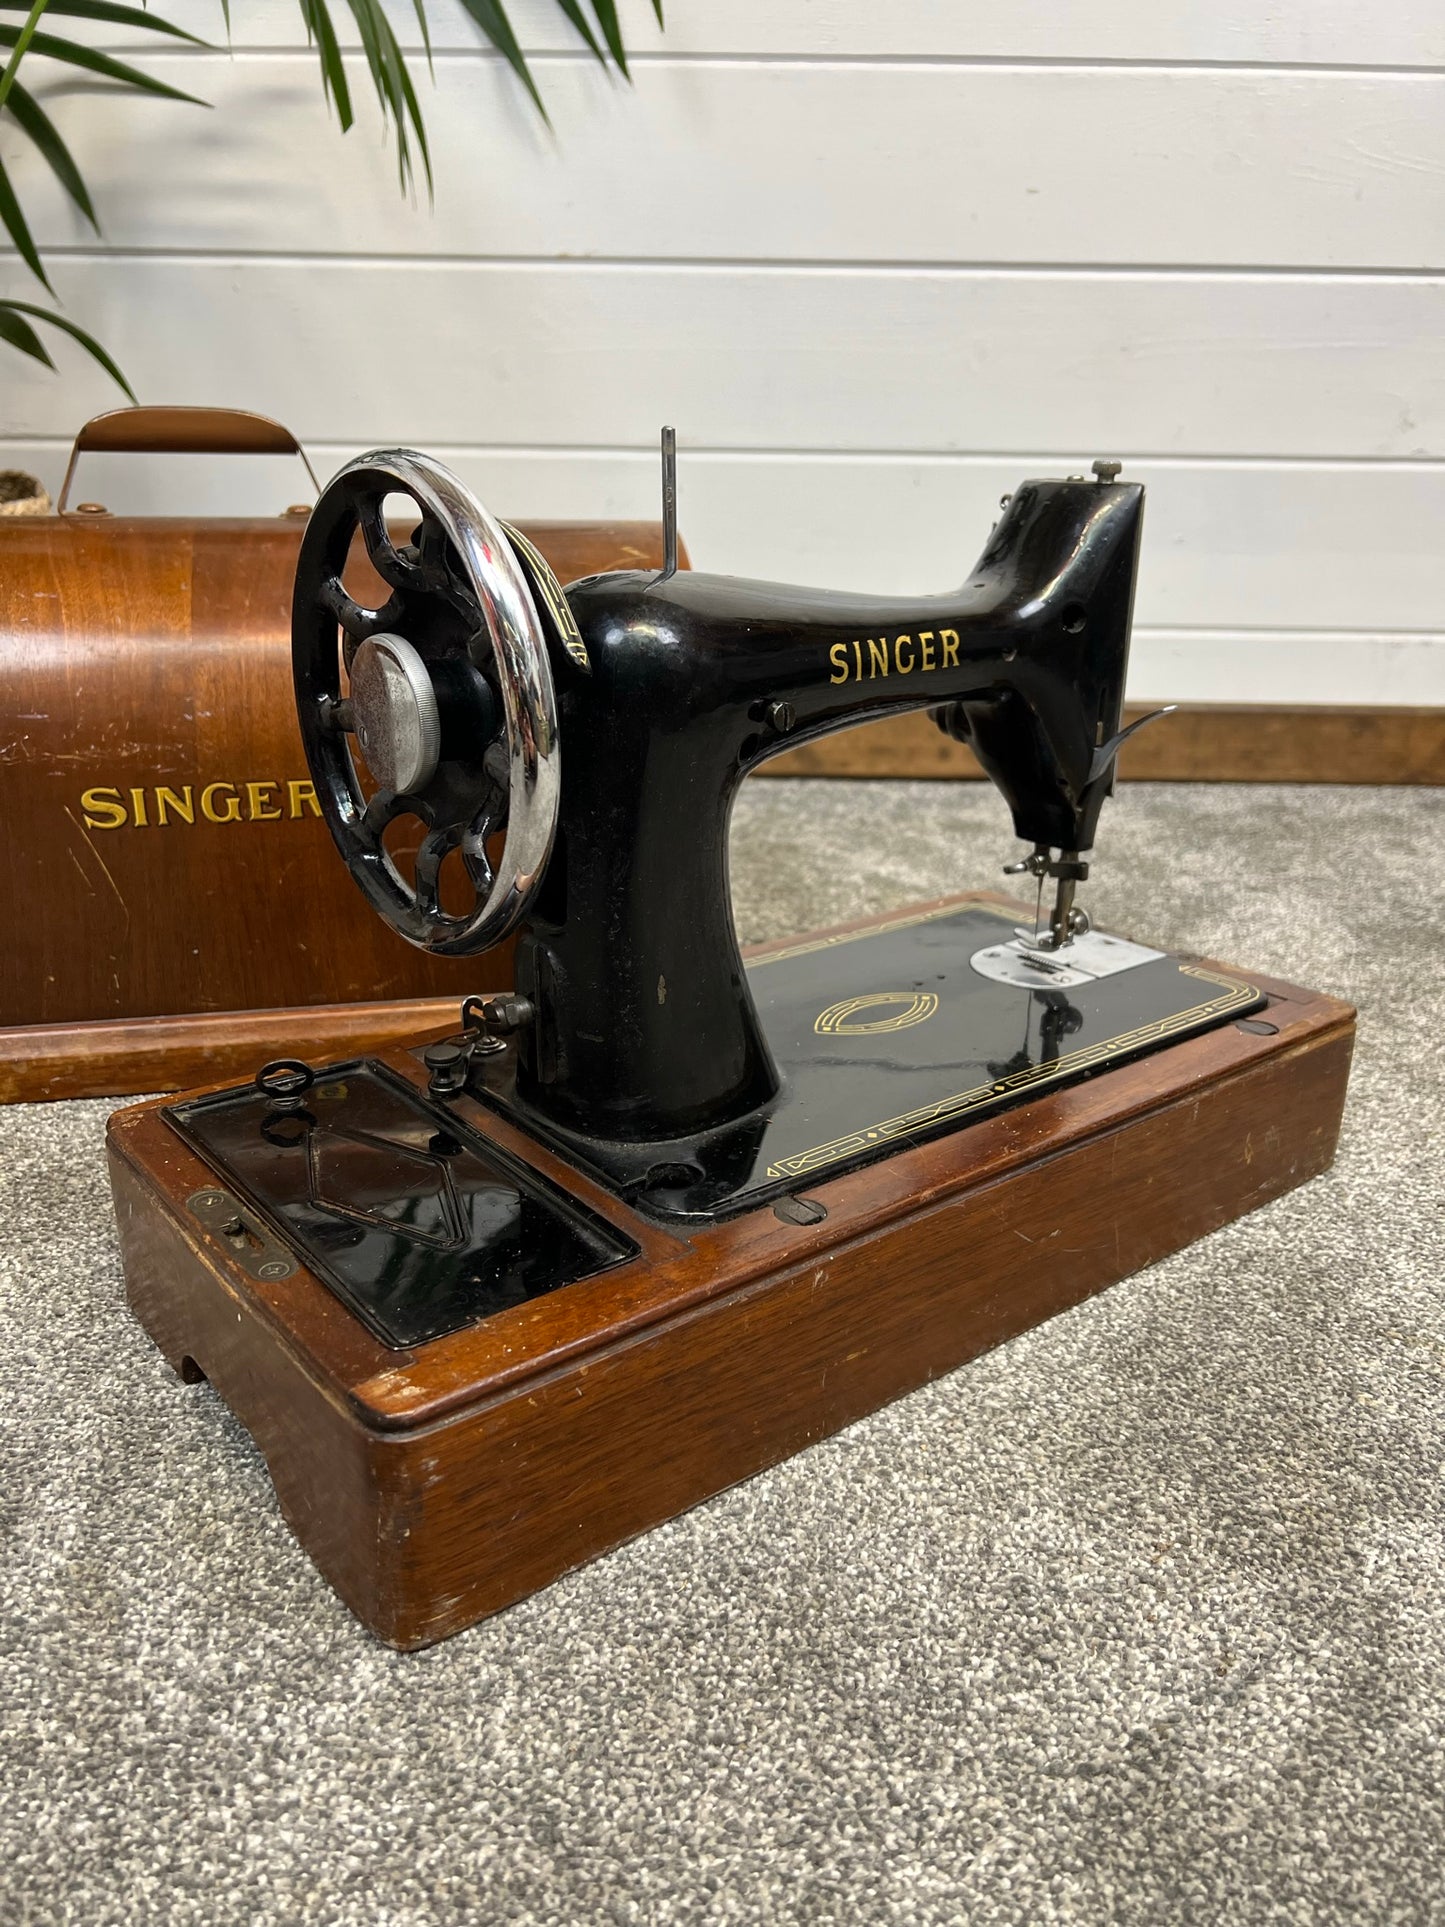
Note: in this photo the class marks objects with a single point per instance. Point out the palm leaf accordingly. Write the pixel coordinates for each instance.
(425, 25)
(17, 52)
(413, 108)
(15, 309)
(18, 332)
(393, 85)
(33, 119)
(115, 16)
(72, 54)
(571, 8)
(333, 74)
(491, 17)
(386, 66)
(15, 225)
(606, 11)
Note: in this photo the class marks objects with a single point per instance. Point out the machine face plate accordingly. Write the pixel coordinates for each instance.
(416, 1224)
(885, 1037)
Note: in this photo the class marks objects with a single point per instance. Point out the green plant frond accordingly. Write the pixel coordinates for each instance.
(491, 17)
(418, 125)
(606, 11)
(365, 14)
(322, 33)
(657, 9)
(15, 309)
(18, 332)
(393, 86)
(425, 25)
(14, 223)
(115, 16)
(573, 11)
(72, 54)
(18, 49)
(32, 118)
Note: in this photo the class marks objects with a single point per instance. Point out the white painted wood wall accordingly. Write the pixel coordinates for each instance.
(877, 259)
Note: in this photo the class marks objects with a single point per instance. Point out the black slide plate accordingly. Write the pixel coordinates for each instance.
(415, 1223)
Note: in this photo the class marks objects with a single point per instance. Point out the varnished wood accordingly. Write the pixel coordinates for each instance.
(438, 1484)
(163, 1053)
(147, 652)
(1199, 743)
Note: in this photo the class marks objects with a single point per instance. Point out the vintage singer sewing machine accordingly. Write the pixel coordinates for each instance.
(663, 1214)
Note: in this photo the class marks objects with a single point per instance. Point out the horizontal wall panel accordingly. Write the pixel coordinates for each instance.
(748, 358)
(1405, 33)
(1240, 547)
(1208, 666)
(742, 161)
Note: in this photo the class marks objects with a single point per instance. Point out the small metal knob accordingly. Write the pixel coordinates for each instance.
(447, 1064)
(1107, 471)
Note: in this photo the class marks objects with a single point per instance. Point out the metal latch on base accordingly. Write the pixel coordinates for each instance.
(249, 1243)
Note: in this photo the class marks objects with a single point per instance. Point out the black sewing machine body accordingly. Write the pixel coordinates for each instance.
(645, 1027)
(638, 1044)
(664, 1214)
(634, 707)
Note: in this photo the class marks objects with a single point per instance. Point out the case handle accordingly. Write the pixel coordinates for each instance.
(182, 431)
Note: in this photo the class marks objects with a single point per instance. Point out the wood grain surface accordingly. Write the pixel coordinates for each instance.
(438, 1484)
(131, 1054)
(163, 858)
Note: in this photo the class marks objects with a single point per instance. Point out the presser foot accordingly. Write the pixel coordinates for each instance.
(1066, 920)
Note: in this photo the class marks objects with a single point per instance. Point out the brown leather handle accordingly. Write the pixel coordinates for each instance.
(182, 431)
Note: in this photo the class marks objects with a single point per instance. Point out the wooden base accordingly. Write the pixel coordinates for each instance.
(118, 1058)
(436, 1485)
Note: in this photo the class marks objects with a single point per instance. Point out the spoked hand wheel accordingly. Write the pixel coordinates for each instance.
(449, 701)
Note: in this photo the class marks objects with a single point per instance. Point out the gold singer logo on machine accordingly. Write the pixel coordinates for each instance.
(160, 805)
(905, 1007)
(874, 656)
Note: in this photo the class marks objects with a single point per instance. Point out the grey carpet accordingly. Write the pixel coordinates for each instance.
(1138, 1619)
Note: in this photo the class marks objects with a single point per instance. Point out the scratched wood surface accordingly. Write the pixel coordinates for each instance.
(438, 1484)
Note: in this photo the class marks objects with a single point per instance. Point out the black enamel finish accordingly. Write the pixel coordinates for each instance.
(422, 1227)
(645, 1028)
(418, 1226)
(673, 687)
(848, 1097)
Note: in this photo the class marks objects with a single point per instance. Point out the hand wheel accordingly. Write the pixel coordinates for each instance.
(449, 700)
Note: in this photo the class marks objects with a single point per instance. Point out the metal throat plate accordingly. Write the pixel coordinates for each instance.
(887, 1036)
